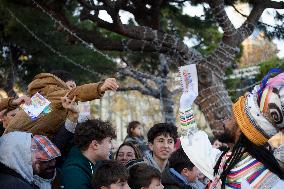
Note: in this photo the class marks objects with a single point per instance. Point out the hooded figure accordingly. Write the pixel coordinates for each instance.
(20, 157)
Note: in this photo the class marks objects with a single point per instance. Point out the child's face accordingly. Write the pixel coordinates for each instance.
(119, 185)
(155, 184)
(162, 147)
(137, 131)
(192, 175)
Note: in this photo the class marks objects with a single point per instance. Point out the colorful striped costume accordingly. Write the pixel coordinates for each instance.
(251, 170)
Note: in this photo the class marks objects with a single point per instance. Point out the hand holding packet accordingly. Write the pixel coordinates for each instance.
(37, 106)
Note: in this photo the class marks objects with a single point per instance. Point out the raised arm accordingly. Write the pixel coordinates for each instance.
(195, 143)
(92, 91)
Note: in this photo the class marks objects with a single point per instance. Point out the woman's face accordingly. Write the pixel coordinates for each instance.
(125, 154)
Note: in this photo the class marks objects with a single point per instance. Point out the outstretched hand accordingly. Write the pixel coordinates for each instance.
(109, 84)
(22, 100)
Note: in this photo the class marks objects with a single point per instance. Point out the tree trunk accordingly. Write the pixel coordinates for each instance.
(213, 99)
(166, 98)
(167, 104)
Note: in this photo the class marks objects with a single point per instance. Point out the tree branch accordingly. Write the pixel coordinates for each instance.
(137, 76)
(138, 88)
(273, 4)
(143, 39)
(246, 29)
(265, 24)
(221, 16)
(175, 92)
(141, 74)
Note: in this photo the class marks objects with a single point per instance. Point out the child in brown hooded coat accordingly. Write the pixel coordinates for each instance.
(53, 88)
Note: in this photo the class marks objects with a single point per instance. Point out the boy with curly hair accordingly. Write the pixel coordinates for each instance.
(92, 143)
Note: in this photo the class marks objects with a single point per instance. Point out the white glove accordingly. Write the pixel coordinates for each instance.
(186, 101)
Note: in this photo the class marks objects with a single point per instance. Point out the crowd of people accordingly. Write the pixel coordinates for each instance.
(63, 149)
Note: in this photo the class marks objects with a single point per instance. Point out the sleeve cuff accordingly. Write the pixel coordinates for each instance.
(99, 89)
(10, 105)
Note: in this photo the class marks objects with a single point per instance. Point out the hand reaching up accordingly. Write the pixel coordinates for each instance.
(71, 106)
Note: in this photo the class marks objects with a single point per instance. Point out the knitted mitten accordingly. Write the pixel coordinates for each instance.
(187, 120)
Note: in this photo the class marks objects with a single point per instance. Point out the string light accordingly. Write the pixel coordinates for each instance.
(228, 52)
(50, 47)
(91, 46)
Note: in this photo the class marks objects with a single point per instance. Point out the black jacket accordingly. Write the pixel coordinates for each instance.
(10, 179)
(171, 182)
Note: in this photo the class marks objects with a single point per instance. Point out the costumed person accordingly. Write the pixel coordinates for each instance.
(249, 163)
(53, 87)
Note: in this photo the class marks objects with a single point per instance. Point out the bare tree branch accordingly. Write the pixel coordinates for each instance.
(140, 74)
(221, 16)
(265, 24)
(272, 4)
(175, 92)
(248, 26)
(140, 89)
(137, 76)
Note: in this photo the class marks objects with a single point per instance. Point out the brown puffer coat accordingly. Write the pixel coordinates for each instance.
(52, 88)
(6, 103)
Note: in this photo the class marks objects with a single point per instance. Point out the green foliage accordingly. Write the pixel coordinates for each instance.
(237, 87)
(232, 85)
(267, 65)
(43, 59)
(202, 29)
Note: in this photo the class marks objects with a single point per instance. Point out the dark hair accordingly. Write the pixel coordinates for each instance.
(260, 153)
(162, 129)
(132, 125)
(63, 75)
(137, 152)
(179, 161)
(109, 172)
(212, 140)
(91, 130)
(141, 175)
(134, 162)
